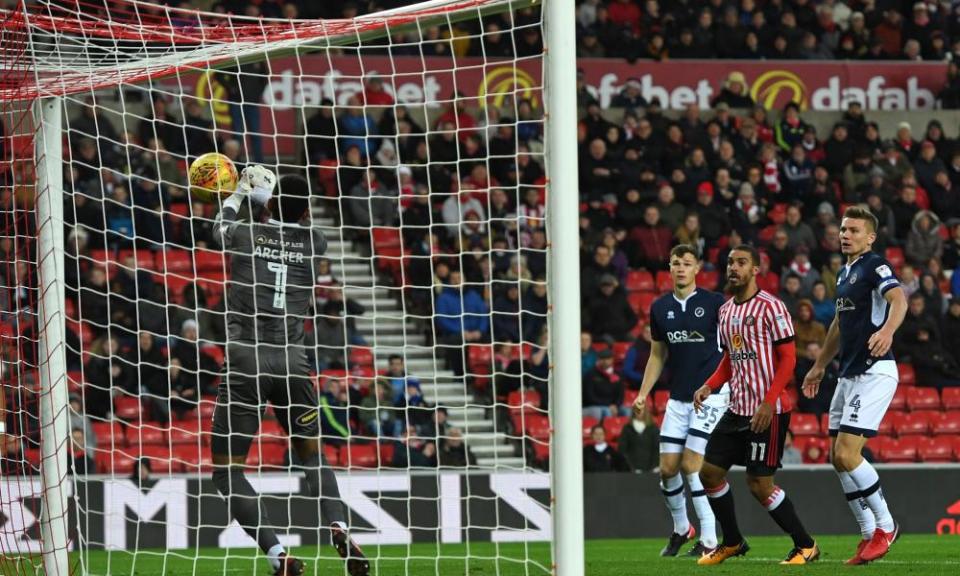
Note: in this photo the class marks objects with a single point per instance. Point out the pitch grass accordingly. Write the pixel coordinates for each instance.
(911, 555)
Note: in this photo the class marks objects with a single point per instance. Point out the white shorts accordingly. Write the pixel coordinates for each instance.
(859, 404)
(683, 427)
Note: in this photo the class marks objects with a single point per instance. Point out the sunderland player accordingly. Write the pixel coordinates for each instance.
(268, 298)
(758, 361)
(684, 329)
(870, 307)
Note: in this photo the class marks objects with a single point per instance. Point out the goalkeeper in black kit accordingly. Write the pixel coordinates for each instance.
(269, 297)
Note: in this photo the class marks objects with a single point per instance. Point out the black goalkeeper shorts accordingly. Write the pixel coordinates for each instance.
(733, 444)
(256, 375)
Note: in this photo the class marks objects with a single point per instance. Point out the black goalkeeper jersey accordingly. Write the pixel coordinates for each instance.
(272, 272)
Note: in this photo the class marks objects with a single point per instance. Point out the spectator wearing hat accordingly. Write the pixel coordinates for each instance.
(630, 96)
(812, 147)
(924, 241)
(735, 92)
(603, 389)
(856, 176)
(909, 148)
(797, 173)
(608, 314)
(806, 326)
(714, 221)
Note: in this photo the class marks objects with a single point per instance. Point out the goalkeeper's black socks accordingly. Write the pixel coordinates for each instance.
(783, 513)
(323, 483)
(245, 506)
(721, 501)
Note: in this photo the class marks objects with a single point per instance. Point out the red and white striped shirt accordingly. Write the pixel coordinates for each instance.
(749, 331)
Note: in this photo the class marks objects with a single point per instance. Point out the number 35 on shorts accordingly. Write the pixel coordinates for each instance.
(708, 416)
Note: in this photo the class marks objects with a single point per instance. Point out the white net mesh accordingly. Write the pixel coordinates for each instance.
(420, 132)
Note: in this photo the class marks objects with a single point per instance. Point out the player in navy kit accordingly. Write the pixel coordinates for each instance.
(684, 328)
(870, 307)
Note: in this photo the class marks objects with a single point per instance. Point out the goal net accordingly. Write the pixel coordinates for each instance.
(421, 133)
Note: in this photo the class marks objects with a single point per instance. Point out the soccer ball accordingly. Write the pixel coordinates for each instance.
(211, 175)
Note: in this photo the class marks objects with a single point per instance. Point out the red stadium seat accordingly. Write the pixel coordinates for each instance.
(664, 281)
(361, 356)
(945, 422)
(332, 454)
(186, 432)
(620, 350)
(825, 424)
(109, 435)
(118, 462)
(901, 450)
(480, 358)
(899, 401)
(923, 399)
(912, 423)
(889, 422)
(708, 279)
(640, 281)
(630, 396)
(817, 449)
(207, 406)
(177, 261)
(895, 257)
(193, 459)
(160, 461)
(936, 449)
(951, 398)
(908, 377)
(537, 426)
(541, 451)
(641, 302)
(272, 432)
(357, 455)
(660, 399)
(955, 441)
(804, 425)
(208, 260)
(588, 424)
(127, 408)
(613, 425)
(522, 399)
(148, 433)
(214, 351)
(778, 214)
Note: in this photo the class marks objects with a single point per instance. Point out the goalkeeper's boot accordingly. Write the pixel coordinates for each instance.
(677, 541)
(357, 563)
(802, 555)
(721, 553)
(289, 567)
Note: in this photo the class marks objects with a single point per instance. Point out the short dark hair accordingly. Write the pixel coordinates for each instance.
(393, 357)
(682, 249)
(861, 213)
(754, 253)
(293, 198)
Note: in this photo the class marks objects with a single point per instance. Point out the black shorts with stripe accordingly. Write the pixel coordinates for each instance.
(734, 444)
(256, 375)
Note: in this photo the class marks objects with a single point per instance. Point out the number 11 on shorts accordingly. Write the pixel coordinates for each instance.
(757, 449)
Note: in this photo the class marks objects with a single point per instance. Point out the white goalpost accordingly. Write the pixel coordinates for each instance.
(439, 142)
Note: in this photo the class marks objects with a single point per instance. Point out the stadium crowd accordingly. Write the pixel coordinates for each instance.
(457, 207)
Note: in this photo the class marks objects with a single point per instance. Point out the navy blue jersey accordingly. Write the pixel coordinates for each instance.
(862, 310)
(689, 329)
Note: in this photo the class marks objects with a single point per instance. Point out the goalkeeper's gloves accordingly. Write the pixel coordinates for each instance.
(257, 182)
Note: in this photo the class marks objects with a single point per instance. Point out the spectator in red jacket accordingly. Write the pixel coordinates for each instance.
(650, 241)
(625, 13)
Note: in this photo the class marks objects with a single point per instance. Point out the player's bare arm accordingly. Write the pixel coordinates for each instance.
(831, 346)
(652, 372)
(882, 339)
